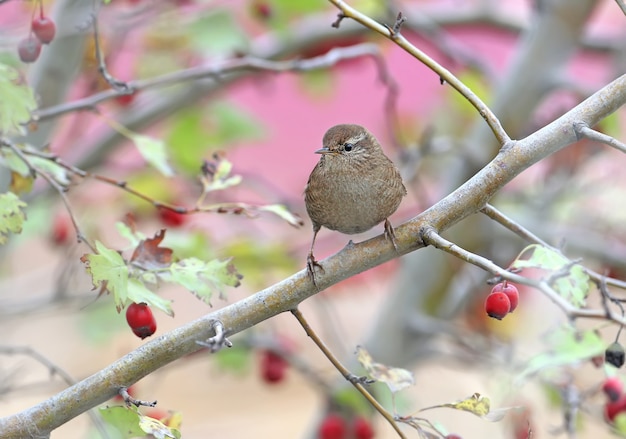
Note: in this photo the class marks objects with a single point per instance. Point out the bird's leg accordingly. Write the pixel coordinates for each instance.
(311, 262)
(390, 234)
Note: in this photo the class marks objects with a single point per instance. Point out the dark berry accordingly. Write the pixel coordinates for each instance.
(29, 49)
(614, 354)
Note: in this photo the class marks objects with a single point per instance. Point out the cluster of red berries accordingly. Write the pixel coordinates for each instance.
(42, 31)
(502, 300)
(140, 319)
(613, 388)
(335, 426)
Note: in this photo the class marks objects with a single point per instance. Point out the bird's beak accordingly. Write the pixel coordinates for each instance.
(323, 150)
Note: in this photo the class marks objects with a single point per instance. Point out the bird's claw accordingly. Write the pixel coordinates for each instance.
(390, 234)
(311, 264)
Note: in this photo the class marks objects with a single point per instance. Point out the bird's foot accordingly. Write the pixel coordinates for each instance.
(390, 234)
(311, 264)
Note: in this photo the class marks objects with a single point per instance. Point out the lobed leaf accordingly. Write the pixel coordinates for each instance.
(12, 215)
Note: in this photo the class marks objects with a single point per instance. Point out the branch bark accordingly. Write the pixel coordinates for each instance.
(514, 157)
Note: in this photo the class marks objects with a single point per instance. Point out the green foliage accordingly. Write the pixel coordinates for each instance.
(130, 423)
(194, 133)
(566, 345)
(131, 280)
(218, 34)
(12, 215)
(17, 102)
(234, 360)
(571, 282)
(154, 152)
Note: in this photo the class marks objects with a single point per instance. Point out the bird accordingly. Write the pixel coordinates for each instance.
(352, 188)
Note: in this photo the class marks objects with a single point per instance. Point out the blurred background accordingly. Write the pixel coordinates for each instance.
(530, 61)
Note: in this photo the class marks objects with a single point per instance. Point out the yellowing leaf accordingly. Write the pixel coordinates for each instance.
(156, 428)
(12, 215)
(395, 378)
(125, 420)
(216, 175)
(21, 184)
(17, 103)
(478, 405)
(154, 152)
(107, 266)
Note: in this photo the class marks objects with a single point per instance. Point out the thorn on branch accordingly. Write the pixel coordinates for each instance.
(336, 23)
(129, 400)
(400, 20)
(360, 380)
(218, 341)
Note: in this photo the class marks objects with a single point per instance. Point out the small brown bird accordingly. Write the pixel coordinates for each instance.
(353, 187)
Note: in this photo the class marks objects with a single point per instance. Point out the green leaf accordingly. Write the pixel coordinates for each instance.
(12, 215)
(17, 103)
(218, 34)
(12, 161)
(567, 346)
(125, 420)
(234, 360)
(56, 171)
(133, 237)
(573, 285)
(202, 278)
(108, 266)
(284, 213)
(138, 293)
(222, 178)
(154, 152)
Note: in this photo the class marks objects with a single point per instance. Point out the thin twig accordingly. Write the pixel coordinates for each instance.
(583, 130)
(215, 72)
(345, 372)
(431, 237)
(55, 370)
(444, 74)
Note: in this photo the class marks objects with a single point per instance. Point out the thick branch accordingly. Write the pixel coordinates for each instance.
(39, 420)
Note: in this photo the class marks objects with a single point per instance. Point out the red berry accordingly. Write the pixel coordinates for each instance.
(333, 427)
(171, 218)
(60, 229)
(497, 305)
(613, 408)
(44, 29)
(273, 367)
(140, 319)
(510, 290)
(29, 49)
(613, 388)
(125, 100)
(453, 436)
(262, 10)
(362, 428)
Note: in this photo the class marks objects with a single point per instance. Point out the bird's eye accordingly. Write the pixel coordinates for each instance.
(348, 147)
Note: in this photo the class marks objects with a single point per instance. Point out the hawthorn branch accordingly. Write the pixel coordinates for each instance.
(287, 294)
(357, 382)
(219, 71)
(393, 33)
